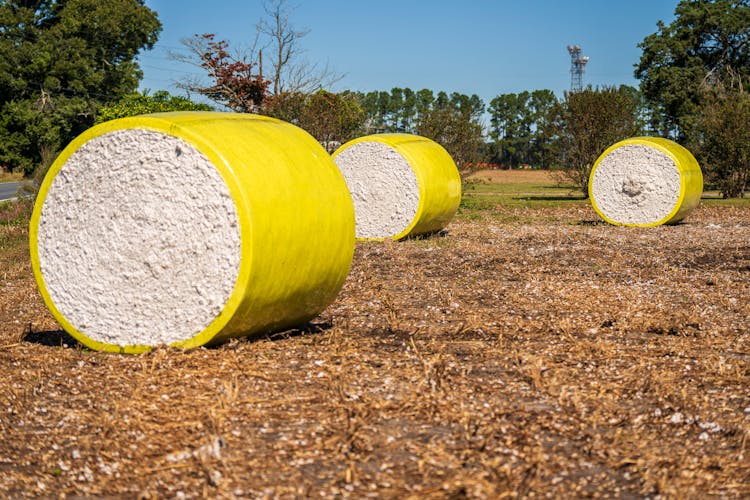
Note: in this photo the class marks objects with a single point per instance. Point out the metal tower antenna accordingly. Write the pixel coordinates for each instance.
(577, 67)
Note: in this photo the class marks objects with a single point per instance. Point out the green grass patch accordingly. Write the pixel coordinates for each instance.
(15, 212)
(485, 195)
(537, 188)
(714, 199)
(474, 203)
(14, 223)
(488, 197)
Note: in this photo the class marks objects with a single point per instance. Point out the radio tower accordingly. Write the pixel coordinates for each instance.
(577, 67)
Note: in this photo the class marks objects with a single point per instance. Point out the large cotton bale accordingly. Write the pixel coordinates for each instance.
(189, 228)
(401, 184)
(645, 181)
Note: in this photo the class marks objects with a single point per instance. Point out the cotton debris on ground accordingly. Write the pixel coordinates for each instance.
(527, 352)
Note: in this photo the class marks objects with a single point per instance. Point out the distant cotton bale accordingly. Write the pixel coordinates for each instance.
(189, 228)
(401, 184)
(645, 181)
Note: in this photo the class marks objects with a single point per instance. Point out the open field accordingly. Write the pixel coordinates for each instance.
(6, 176)
(529, 351)
(542, 189)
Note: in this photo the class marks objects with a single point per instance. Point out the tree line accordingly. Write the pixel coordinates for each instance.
(66, 64)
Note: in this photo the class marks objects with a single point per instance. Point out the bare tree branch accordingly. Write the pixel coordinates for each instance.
(234, 81)
(238, 81)
(291, 72)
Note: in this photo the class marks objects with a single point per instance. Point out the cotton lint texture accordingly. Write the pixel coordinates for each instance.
(383, 186)
(636, 184)
(139, 241)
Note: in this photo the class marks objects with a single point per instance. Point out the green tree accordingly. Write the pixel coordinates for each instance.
(287, 106)
(140, 103)
(453, 120)
(472, 106)
(522, 128)
(724, 148)
(545, 116)
(591, 121)
(394, 111)
(376, 107)
(456, 132)
(60, 60)
(706, 39)
(331, 118)
(511, 121)
(424, 100)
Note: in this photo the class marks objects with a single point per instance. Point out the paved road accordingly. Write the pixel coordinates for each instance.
(8, 190)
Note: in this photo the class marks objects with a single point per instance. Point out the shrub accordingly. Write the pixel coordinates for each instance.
(724, 150)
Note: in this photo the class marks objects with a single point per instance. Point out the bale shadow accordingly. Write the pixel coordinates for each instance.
(592, 223)
(50, 338)
(442, 233)
(601, 222)
(310, 328)
(60, 338)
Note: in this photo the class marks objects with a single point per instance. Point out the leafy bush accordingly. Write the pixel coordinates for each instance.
(142, 103)
(331, 118)
(724, 151)
(590, 122)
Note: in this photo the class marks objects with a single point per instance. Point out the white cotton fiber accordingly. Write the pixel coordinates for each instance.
(138, 239)
(636, 184)
(383, 186)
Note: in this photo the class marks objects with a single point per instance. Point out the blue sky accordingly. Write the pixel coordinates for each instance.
(475, 46)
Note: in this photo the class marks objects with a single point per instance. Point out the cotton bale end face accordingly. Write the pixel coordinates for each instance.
(401, 185)
(645, 181)
(190, 228)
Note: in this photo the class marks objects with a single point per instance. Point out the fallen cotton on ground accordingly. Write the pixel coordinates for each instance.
(545, 354)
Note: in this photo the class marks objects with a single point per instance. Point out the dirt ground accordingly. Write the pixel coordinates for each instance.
(555, 357)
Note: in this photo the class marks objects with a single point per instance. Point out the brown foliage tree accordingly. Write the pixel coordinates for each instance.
(239, 81)
(234, 81)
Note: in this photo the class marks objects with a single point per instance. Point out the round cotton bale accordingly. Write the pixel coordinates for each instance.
(645, 181)
(401, 184)
(190, 228)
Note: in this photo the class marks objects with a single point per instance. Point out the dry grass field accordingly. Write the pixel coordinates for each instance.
(529, 351)
(6, 176)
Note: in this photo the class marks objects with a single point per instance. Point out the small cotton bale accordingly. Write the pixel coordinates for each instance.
(401, 184)
(190, 228)
(645, 181)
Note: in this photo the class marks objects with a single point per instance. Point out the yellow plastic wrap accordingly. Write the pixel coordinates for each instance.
(295, 215)
(691, 179)
(437, 177)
